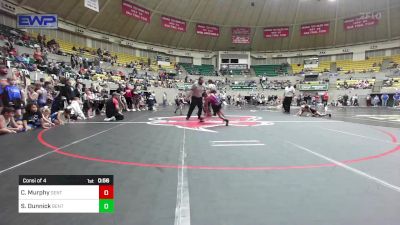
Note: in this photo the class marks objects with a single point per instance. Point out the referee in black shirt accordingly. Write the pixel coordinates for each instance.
(197, 99)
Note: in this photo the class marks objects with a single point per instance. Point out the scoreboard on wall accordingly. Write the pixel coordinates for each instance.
(66, 194)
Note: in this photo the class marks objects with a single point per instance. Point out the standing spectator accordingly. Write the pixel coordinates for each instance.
(369, 103)
(384, 98)
(345, 99)
(12, 96)
(179, 101)
(376, 100)
(164, 99)
(32, 95)
(354, 100)
(129, 97)
(68, 91)
(42, 95)
(396, 99)
(325, 98)
(151, 100)
(288, 96)
(88, 102)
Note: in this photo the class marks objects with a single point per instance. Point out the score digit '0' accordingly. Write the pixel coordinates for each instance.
(103, 180)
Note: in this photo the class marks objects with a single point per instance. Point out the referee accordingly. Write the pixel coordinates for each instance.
(288, 96)
(197, 99)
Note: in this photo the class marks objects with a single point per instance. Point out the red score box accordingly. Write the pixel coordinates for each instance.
(106, 192)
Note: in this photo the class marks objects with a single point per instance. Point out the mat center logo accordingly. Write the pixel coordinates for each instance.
(209, 122)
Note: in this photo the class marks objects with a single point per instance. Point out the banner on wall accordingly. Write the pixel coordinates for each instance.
(241, 35)
(367, 20)
(173, 23)
(43, 21)
(208, 30)
(92, 4)
(315, 28)
(276, 32)
(134, 11)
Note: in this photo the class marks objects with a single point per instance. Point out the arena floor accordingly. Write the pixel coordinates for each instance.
(266, 168)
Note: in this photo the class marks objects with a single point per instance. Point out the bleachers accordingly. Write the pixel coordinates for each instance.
(322, 67)
(269, 70)
(67, 46)
(204, 70)
(396, 59)
(297, 68)
(360, 66)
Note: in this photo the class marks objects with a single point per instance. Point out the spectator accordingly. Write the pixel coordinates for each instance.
(32, 95)
(37, 55)
(46, 120)
(68, 91)
(12, 96)
(42, 95)
(376, 101)
(369, 102)
(384, 98)
(61, 117)
(129, 97)
(7, 122)
(88, 102)
(32, 117)
(396, 99)
(113, 111)
(325, 98)
(76, 109)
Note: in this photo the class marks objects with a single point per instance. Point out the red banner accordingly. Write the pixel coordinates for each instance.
(173, 23)
(241, 35)
(276, 32)
(208, 30)
(137, 12)
(316, 28)
(360, 22)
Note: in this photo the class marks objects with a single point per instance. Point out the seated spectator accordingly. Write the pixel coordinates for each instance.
(37, 55)
(7, 122)
(113, 111)
(76, 109)
(32, 117)
(61, 117)
(46, 120)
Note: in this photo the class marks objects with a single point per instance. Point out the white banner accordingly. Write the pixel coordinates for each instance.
(92, 4)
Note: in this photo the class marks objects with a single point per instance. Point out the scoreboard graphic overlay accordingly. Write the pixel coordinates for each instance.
(66, 194)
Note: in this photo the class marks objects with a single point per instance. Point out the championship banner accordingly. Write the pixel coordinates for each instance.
(276, 32)
(173, 23)
(134, 11)
(362, 21)
(315, 28)
(241, 35)
(208, 30)
(92, 4)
